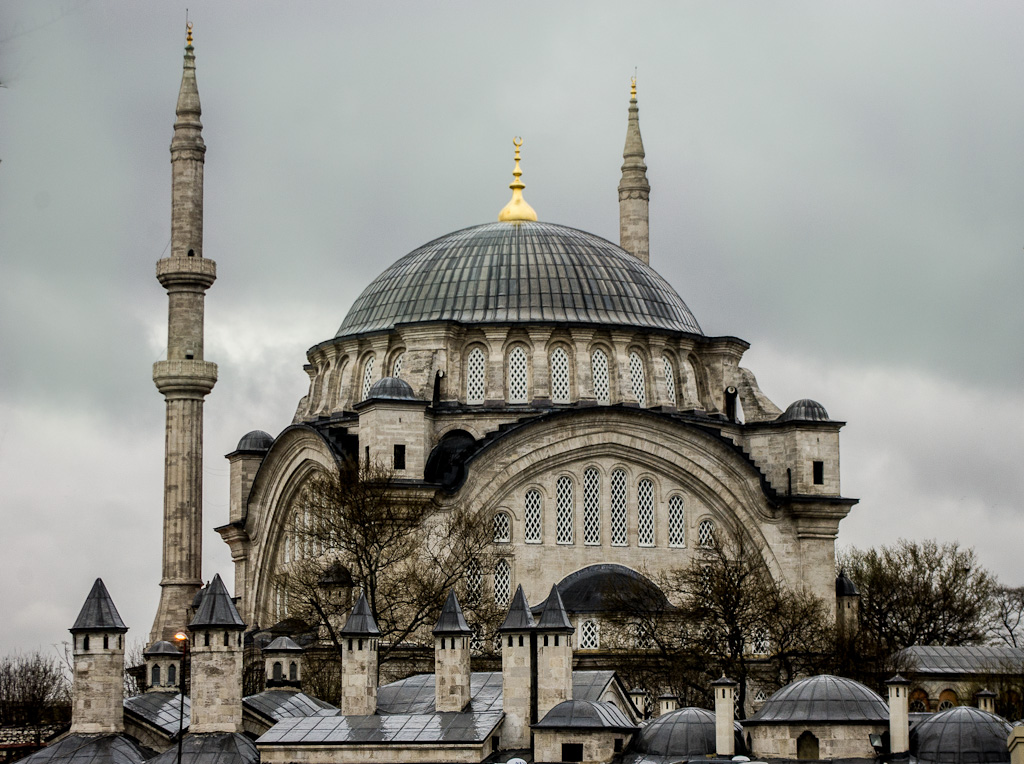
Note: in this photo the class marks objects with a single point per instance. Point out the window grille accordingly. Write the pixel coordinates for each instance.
(706, 534)
(636, 374)
(645, 513)
(618, 508)
(473, 582)
(502, 583)
(476, 638)
(670, 380)
(945, 705)
(502, 528)
(760, 696)
(591, 507)
(559, 376)
(367, 377)
(760, 644)
(563, 519)
(518, 376)
(396, 367)
(531, 523)
(589, 636)
(642, 636)
(475, 373)
(599, 371)
(676, 522)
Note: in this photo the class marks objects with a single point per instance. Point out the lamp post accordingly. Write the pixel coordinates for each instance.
(182, 640)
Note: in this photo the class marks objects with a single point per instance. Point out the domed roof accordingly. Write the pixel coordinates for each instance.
(688, 733)
(600, 588)
(257, 440)
(823, 699)
(845, 586)
(522, 272)
(961, 735)
(585, 714)
(804, 410)
(162, 647)
(392, 388)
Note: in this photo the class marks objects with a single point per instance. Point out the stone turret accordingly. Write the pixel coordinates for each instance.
(163, 661)
(216, 662)
(184, 378)
(519, 693)
(282, 660)
(847, 608)
(725, 716)
(451, 657)
(97, 685)
(554, 654)
(359, 643)
(634, 190)
(899, 715)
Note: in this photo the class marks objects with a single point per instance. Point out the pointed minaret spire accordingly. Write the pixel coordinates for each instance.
(517, 210)
(634, 190)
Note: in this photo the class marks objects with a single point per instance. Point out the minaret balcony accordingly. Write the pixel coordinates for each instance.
(188, 377)
(186, 271)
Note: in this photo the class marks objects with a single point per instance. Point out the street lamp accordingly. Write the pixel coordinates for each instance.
(182, 640)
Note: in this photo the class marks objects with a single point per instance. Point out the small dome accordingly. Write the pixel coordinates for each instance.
(162, 647)
(688, 733)
(222, 747)
(585, 714)
(282, 645)
(961, 735)
(90, 749)
(392, 388)
(804, 410)
(823, 699)
(257, 440)
(601, 588)
(845, 587)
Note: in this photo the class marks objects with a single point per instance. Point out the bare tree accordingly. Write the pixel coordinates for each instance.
(33, 689)
(1006, 618)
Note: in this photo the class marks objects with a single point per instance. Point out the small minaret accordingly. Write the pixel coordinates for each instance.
(216, 662)
(97, 688)
(519, 693)
(282, 660)
(634, 190)
(554, 655)
(359, 642)
(847, 608)
(163, 661)
(899, 715)
(451, 657)
(184, 378)
(725, 714)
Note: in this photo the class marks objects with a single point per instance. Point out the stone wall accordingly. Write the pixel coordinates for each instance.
(598, 746)
(98, 683)
(216, 681)
(835, 741)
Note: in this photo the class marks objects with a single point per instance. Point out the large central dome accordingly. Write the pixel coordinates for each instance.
(522, 272)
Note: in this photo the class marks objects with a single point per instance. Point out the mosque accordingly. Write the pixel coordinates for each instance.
(554, 382)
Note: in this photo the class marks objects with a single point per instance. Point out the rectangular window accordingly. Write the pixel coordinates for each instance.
(399, 457)
(572, 751)
(819, 473)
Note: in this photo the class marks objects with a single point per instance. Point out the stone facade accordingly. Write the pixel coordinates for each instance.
(516, 683)
(359, 675)
(598, 746)
(216, 691)
(451, 672)
(97, 684)
(384, 754)
(834, 741)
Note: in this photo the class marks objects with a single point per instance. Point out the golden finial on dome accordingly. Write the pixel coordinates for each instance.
(517, 208)
(188, 39)
(632, 89)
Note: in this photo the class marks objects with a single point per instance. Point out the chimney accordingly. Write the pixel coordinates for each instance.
(899, 715)
(97, 688)
(282, 661)
(451, 657)
(554, 655)
(725, 713)
(163, 661)
(986, 700)
(359, 643)
(519, 700)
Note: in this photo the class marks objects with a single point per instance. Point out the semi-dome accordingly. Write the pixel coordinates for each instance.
(804, 410)
(392, 388)
(604, 588)
(521, 272)
(688, 733)
(823, 699)
(961, 735)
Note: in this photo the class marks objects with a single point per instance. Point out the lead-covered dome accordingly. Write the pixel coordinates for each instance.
(522, 272)
(961, 735)
(823, 699)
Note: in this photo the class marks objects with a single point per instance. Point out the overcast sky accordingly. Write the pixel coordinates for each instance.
(840, 184)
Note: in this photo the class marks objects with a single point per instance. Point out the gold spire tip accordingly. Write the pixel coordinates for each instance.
(632, 88)
(188, 39)
(517, 209)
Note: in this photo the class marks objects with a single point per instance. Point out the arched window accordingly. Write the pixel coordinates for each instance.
(532, 517)
(473, 582)
(670, 380)
(518, 376)
(367, 377)
(172, 675)
(277, 671)
(645, 513)
(948, 699)
(293, 671)
(154, 680)
(599, 372)
(591, 507)
(476, 372)
(706, 534)
(396, 365)
(502, 584)
(676, 522)
(618, 508)
(589, 635)
(502, 528)
(559, 376)
(563, 518)
(636, 375)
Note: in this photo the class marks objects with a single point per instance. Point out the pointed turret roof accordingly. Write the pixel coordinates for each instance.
(452, 623)
(360, 622)
(554, 618)
(519, 617)
(634, 171)
(188, 94)
(216, 608)
(98, 613)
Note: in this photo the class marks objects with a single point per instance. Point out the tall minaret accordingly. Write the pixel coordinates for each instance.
(634, 190)
(184, 378)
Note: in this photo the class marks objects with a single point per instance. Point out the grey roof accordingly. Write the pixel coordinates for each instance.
(160, 709)
(451, 621)
(519, 617)
(683, 734)
(408, 729)
(283, 704)
(392, 388)
(804, 410)
(844, 586)
(216, 608)
(163, 647)
(585, 715)
(961, 735)
(520, 272)
(973, 659)
(822, 699)
(601, 588)
(98, 613)
(360, 622)
(553, 616)
(90, 749)
(211, 748)
(257, 440)
(283, 645)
